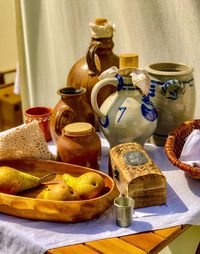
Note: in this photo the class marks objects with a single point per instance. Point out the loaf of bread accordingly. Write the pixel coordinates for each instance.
(137, 176)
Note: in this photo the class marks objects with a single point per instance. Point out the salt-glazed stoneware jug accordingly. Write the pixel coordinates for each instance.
(172, 91)
(128, 115)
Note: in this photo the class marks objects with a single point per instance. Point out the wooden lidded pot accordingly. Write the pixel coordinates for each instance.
(99, 57)
(79, 144)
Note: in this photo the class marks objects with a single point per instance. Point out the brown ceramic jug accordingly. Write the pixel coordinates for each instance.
(79, 144)
(99, 57)
(72, 107)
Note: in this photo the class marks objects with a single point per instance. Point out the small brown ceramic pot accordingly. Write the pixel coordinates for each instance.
(79, 144)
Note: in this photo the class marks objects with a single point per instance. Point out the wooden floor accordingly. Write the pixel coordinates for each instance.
(141, 243)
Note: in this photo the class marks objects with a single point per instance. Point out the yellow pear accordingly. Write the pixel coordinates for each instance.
(88, 185)
(13, 181)
(59, 191)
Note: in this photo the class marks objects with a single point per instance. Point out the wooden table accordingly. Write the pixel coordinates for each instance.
(142, 243)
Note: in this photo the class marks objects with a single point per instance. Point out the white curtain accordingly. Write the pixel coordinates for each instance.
(54, 34)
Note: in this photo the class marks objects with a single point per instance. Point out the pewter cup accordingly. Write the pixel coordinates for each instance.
(123, 211)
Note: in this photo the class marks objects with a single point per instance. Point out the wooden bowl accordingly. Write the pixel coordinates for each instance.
(26, 205)
(174, 145)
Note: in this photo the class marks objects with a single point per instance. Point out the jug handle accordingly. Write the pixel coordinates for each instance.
(95, 90)
(90, 57)
(65, 109)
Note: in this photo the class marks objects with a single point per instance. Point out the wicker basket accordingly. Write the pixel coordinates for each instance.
(174, 145)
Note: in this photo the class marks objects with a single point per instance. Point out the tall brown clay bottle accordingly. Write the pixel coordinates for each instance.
(99, 57)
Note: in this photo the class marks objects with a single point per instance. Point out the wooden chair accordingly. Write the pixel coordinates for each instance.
(10, 103)
(7, 76)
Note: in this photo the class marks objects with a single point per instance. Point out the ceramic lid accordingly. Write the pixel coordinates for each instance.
(78, 128)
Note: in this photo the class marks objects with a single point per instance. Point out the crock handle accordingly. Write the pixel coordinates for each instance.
(172, 88)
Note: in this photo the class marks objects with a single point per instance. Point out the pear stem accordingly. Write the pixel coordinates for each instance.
(47, 178)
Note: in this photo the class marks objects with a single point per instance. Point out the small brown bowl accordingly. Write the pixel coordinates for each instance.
(174, 145)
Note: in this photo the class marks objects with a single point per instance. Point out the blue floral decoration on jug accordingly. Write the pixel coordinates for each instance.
(104, 123)
(152, 89)
(171, 88)
(121, 83)
(148, 109)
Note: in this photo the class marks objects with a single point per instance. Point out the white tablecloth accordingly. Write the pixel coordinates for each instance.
(23, 236)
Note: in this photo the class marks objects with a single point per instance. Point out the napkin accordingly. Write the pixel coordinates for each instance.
(25, 141)
(18, 242)
(191, 149)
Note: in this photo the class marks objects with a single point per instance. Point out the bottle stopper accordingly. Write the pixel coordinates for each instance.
(101, 28)
(100, 21)
(128, 61)
(78, 128)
